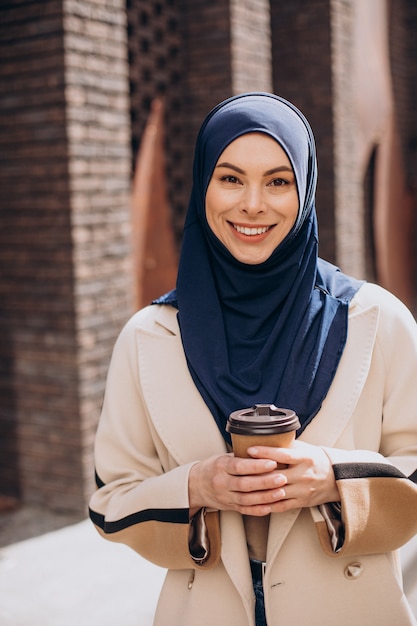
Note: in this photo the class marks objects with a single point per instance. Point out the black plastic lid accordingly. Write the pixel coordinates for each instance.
(262, 419)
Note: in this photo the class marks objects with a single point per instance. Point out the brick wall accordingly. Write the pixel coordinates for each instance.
(302, 73)
(99, 163)
(64, 238)
(251, 45)
(39, 410)
(156, 69)
(353, 232)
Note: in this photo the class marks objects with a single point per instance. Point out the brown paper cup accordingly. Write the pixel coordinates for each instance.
(262, 425)
(241, 443)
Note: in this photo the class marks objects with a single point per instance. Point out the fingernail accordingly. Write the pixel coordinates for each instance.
(270, 465)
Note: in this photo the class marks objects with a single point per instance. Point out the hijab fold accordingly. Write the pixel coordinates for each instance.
(267, 333)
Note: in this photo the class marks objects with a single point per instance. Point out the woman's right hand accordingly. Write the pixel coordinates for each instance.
(226, 482)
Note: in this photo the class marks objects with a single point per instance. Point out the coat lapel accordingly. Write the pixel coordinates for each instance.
(337, 409)
(179, 414)
(338, 406)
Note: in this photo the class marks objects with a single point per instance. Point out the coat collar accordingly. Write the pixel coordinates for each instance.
(166, 317)
(181, 402)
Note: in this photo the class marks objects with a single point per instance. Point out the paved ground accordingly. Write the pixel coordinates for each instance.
(18, 523)
(72, 577)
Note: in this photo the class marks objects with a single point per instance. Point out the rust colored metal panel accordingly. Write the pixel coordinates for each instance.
(153, 238)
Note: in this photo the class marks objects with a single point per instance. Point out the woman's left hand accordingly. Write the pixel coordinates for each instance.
(308, 479)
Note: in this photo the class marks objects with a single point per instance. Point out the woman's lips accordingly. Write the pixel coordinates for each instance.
(251, 231)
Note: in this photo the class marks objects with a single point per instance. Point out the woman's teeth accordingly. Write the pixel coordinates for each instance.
(251, 231)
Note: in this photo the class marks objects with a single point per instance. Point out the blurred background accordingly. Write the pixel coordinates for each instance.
(100, 104)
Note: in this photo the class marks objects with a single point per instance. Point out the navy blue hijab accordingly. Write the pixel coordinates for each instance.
(267, 333)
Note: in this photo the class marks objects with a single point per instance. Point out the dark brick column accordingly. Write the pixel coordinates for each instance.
(64, 238)
(302, 72)
(39, 408)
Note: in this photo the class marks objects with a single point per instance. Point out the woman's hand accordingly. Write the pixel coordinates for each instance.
(309, 475)
(230, 483)
(255, 486)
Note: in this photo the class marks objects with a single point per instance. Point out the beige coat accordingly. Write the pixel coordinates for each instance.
(155, 426)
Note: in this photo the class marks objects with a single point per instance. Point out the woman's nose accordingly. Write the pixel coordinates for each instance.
(253, 201)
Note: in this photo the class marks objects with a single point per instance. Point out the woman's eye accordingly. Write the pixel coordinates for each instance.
(230, 179)
(278, 182)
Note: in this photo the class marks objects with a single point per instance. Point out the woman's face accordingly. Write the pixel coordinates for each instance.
(252, 201)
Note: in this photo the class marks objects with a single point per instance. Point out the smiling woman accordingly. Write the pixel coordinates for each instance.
(299, 535)
(248, 206)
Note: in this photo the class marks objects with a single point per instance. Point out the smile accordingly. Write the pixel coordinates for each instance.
(245, 230)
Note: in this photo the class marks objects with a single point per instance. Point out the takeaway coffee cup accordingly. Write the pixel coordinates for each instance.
(262, 425)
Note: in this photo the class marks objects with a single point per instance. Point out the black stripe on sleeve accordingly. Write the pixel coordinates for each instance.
(175, 516)
(413, 477)
(343, 471)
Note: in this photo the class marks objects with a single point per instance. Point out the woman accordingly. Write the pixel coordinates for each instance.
(257, 318)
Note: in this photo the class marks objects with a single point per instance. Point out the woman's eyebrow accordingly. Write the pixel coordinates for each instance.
(274, 170)
(230, 166)
(281, 168)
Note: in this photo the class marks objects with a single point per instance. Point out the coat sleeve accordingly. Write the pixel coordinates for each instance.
(139, 500)
(378, 490)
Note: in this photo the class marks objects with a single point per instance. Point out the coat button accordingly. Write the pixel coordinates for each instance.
(353, 570)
